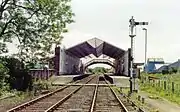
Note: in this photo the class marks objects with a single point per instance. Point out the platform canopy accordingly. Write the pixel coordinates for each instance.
(96, 47)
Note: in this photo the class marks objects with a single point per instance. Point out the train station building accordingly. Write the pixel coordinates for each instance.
(68, 61)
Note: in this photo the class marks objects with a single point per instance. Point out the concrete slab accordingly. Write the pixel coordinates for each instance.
(121, 81)
(63, 79)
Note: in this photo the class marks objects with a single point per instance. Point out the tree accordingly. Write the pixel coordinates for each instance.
(98, 70)
(35, 24)
(90, 70)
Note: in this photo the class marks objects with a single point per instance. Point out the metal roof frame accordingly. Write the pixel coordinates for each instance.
(96, 47)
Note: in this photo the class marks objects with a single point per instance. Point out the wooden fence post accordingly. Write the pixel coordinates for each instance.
(153, 83)
(159, 83)
(139, 97)
(143, 100)
(172, 87)
(178, 90)
(165, 85)
(142, 79)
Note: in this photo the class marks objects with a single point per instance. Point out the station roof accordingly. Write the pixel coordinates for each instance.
(96, 47)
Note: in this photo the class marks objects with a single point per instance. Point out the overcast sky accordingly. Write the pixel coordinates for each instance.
(109, 20)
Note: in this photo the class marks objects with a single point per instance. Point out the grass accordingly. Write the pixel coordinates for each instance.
(169, 77)
(20, 96)
(165, 94)
(158, 90)
(133, 98)
(15, 100)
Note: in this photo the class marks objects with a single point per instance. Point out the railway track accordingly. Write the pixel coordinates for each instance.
(126, 104)
(42, 103)
(79, 102)
(105, 100)
(80, 98)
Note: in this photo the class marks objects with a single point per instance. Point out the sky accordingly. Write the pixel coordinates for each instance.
(108, 20)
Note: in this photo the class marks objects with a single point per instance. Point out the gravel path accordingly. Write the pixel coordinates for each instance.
(162, 105)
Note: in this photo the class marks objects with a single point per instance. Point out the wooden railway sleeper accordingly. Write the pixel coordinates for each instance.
(120, 102)
(53, 107)
(19, 107)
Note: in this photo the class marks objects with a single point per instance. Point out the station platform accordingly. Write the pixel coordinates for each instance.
(86, 84)
(121, 81)
(62, 79)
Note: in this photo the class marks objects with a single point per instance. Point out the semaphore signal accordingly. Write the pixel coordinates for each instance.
(132, 33)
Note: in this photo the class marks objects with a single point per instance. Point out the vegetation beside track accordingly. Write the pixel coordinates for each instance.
(166, 86)
(133, 97)
(18, 97)
(98, 70)
(37, 27)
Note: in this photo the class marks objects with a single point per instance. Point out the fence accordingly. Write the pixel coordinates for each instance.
(42, 73)
(161, 85)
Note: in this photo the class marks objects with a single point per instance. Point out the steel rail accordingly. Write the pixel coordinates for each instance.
(21, 106)
(35, 100)
(94, 97)
(53, 107)
(120, 102)
(132, 103)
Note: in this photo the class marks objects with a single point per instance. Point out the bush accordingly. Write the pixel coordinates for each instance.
(174, 70)
(3, 75)
(165, 71)
(18, 74)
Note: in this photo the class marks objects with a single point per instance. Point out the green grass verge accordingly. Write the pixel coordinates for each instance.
(15, 100)
(133, 98)
(158, 90)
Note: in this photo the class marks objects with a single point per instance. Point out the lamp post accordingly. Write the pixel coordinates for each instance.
(145, 53)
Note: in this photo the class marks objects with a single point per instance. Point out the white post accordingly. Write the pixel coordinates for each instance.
(145, 53)
(132, 35)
